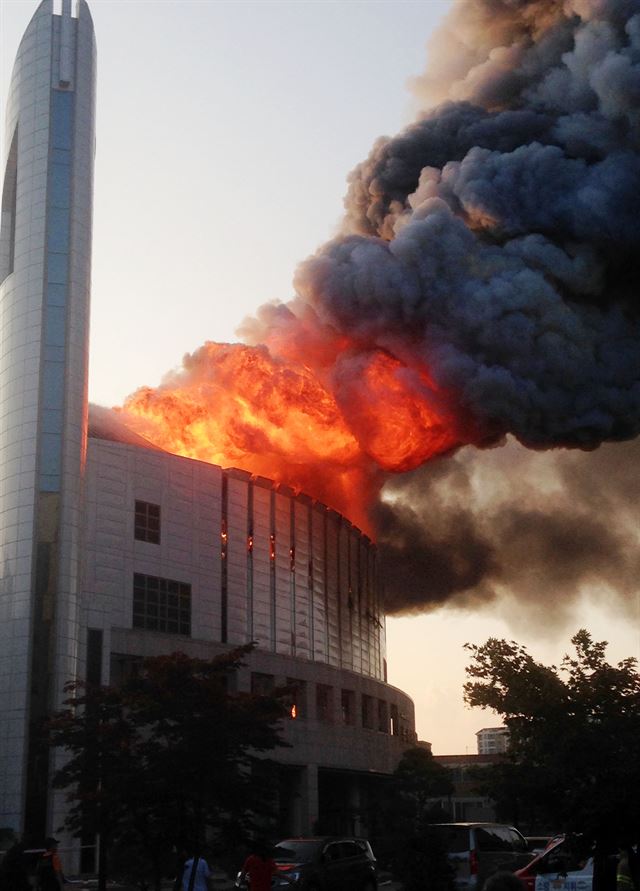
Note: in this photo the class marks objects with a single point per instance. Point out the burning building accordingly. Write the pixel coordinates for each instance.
(483, 285)
(113, 549)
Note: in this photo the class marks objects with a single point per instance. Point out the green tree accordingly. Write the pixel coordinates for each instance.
(574, 731)
(170, 756)
(411, 804)
(418, 780)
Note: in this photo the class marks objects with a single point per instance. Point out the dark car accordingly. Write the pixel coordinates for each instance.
(477, 850)
(325, 864)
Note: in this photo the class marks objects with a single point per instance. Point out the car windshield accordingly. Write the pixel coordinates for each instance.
(454, 838)
(295, 851)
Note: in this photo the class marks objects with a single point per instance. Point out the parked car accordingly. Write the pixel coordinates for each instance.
(566, 864)
(538, 843)
(324, 864)
(477, 850)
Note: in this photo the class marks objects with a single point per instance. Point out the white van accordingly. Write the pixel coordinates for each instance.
(477, 850)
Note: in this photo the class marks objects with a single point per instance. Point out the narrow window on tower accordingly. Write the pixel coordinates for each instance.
(147, 522)
(8, 227)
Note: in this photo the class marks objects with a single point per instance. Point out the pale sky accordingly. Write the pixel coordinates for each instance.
(225, 133)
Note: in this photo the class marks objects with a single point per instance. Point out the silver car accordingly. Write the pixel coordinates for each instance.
(477, 850)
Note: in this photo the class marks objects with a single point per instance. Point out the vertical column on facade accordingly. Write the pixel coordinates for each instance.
(236, 559)
(309, 801)
(357, 594)
(354, 804)
(263, 559)
(224, 539)
(272, 570)
(369, 610)
(377, 624)
(292, 575)
(343, 587)
(332, 576)
(317, 582)
(250, 540)
(302, 572)
(284, 572)
(325, 583)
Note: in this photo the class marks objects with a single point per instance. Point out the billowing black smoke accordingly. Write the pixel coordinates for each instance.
(497, 240)
(531, 528)
(488, 269)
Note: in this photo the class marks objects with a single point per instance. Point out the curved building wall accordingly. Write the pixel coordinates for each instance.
(254, 563)
(263, 563)
(45, 248)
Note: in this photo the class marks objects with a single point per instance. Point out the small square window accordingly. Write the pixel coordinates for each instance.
(262, 684)
(147, 522)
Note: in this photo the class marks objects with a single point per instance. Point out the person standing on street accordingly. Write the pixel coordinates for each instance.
(49, 875)
(196, 873)
(259, 867)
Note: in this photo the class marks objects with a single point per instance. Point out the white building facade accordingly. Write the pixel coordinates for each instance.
(492, 740)
(112, 550)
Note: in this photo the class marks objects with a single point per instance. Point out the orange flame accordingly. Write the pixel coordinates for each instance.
(331, 428)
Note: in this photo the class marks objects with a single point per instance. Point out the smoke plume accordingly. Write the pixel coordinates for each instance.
(532, 530)
(485, 284)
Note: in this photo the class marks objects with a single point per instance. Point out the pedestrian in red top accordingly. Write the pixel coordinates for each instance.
(259, 867)
(49, 875)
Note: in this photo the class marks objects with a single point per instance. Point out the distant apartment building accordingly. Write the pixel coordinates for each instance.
(492, 740)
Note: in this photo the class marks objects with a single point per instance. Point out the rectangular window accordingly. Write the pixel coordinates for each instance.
(395, 721)
(147, 526)
(123, 668)
(297, 702)
(94, 656)
(367, 712)
(161, 604)
(348, 703)
(383, 716)
(262, 684)
(324, 703)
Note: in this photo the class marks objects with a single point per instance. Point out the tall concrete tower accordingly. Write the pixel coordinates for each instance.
(45, 266)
